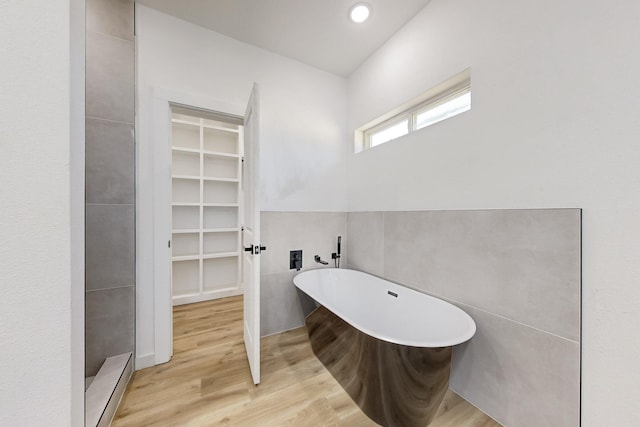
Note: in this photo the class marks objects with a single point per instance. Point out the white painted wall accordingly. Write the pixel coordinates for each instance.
(554, 123)
(303, 127)
(41, 219)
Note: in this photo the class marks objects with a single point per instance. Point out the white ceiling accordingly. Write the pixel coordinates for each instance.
(317, 32)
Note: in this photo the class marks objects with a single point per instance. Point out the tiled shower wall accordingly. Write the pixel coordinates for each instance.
(109, 245)
(315, 233)
(517, 273)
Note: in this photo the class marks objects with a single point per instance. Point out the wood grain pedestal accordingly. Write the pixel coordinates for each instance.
(394, 385)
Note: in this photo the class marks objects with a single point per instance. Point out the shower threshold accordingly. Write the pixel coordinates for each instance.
(104, 392)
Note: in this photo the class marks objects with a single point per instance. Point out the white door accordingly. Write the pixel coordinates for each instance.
(251, 234)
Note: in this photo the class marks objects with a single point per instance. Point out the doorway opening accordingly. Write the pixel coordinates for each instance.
(206, 212)
(206, 205)
(206, 242)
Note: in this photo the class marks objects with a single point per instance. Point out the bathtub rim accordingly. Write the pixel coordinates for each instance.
(456, 340)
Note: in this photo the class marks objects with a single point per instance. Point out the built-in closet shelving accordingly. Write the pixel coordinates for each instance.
(206, 171)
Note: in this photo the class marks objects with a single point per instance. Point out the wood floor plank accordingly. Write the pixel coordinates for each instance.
(208, 382)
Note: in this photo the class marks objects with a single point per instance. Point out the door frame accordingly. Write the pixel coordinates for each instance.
(157, 278)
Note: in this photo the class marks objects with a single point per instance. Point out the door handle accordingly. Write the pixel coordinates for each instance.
(255, 249)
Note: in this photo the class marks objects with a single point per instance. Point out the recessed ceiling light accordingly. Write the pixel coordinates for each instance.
(359, 12)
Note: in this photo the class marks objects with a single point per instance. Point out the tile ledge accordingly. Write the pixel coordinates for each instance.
(101, 391)
(451, 300)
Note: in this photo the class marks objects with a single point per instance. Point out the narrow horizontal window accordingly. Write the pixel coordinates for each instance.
(453, 107)
(446, 100)
(389, 133)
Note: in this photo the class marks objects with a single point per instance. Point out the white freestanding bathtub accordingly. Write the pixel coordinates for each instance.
(387, 345)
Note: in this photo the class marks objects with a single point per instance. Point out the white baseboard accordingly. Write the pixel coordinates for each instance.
(145, 361)
(207, 296)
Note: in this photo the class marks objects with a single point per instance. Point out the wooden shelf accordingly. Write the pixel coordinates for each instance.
(220, 205)
(185, 150)
(186, 258)
(206, 178)
(220, 230)
(206, 126)
(192, 177)
(200, 123)
(221, 255)
(195, 204)
(204, 230)
(185, 231)
(185, 122)
(206, 153)
(220, 154)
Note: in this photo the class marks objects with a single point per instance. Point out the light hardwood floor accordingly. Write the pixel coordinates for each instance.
(207, 382)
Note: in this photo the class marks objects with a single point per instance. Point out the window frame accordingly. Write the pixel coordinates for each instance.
(456, 86)
(369, 133)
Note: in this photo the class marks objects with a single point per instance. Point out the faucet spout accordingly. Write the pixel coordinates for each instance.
(319, 260)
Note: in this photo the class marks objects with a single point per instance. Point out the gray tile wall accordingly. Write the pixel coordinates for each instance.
(315, 233)
(517, 273)
(110, 181)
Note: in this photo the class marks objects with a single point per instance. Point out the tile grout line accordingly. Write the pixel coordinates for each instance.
(448, 299)
(108, 289)
(109, 204)
(109, 120)
(504, 318)
(102, 33)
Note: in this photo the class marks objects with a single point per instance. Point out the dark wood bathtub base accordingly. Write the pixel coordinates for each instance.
(394, 385)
